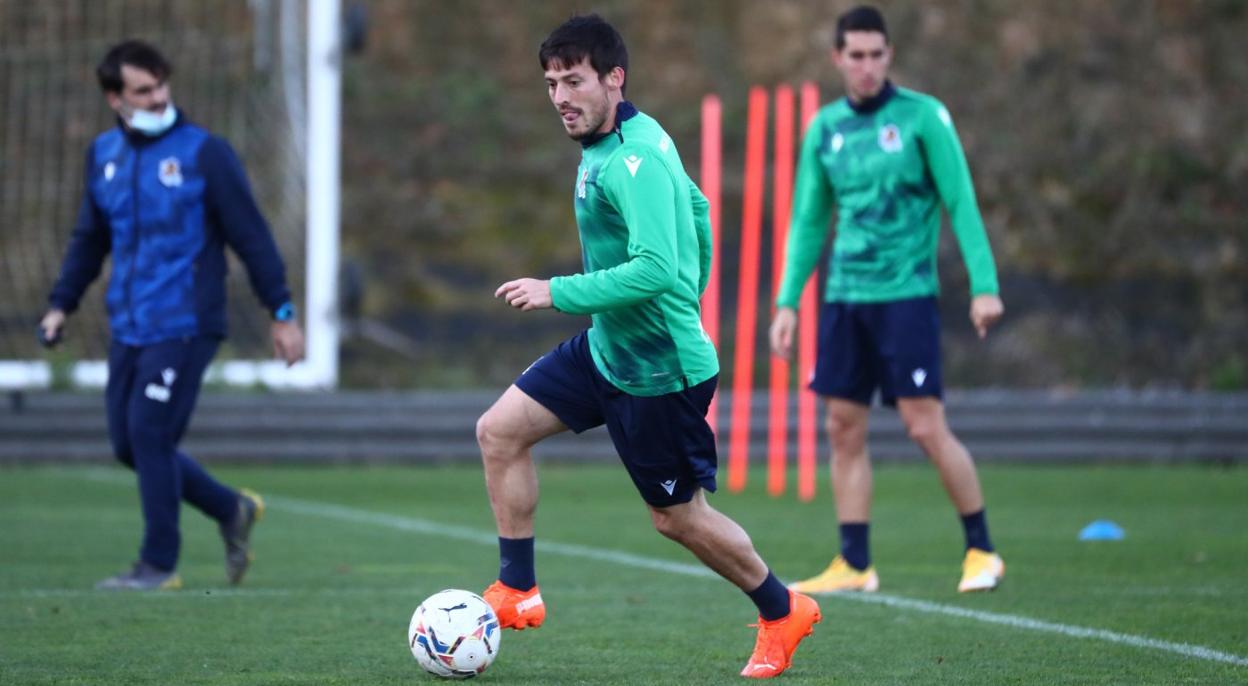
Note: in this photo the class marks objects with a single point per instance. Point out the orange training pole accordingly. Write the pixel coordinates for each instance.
(807, 337)
(747, 292)
(782, 191)
(711, 160)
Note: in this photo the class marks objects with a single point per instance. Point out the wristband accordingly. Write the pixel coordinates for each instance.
(284, 313)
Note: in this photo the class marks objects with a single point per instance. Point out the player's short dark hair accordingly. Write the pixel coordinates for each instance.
(136, 54)
(860, 18)
(581, 37)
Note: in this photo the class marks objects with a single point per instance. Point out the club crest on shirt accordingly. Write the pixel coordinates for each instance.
(580, 185)
(170, 172)
(890, 138)
(838, 142)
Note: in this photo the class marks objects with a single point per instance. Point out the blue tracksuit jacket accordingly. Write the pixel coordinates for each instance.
(166, 207)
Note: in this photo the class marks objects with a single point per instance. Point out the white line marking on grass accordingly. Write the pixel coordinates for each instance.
(462, 533)
(1028, 623)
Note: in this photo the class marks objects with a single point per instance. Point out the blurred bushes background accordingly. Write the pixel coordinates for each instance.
(1108, 141)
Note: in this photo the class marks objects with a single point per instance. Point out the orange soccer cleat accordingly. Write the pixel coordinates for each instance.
(778, 639)
(516, 609)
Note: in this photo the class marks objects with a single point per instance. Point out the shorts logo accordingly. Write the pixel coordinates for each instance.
(171, 172)
(669, 486)
(890, 138)
(919, 376)
(157, 392)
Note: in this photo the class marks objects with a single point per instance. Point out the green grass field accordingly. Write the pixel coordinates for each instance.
(345, 555)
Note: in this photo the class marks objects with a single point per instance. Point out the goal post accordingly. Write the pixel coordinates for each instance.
(325, 57)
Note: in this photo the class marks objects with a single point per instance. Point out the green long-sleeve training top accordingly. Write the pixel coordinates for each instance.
(646, 247)
(887, 166)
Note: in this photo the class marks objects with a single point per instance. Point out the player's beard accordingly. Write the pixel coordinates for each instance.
(595, 116)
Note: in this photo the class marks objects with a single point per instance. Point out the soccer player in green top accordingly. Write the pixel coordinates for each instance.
(887, 158)
(645, 368)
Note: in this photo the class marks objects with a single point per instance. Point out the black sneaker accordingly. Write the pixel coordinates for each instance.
(142, 577)
(237, 535)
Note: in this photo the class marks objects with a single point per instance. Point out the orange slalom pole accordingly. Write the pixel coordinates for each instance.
(807, 339)
(747, 292)
(782, 191)
(712, 151)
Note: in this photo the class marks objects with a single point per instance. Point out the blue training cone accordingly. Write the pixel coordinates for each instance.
(1102, 530)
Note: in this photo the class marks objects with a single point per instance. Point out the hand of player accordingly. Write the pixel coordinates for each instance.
(782, 329)
(50, 327)
(526, 294)
(287, 341)
(985, 311)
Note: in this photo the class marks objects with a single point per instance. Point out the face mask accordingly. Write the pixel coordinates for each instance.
(152, 124)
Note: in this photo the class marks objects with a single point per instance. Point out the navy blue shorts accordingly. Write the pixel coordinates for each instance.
(892, 346)
(663, 440)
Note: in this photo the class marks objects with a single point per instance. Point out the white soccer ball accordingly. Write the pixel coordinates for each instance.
(454, 634)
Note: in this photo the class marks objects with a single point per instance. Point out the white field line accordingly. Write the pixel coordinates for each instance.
(470, 535)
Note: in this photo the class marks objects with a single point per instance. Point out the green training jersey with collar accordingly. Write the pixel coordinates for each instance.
(887, 166)
(646, 248)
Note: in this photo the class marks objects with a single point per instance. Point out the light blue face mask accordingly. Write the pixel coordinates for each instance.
(152, 124)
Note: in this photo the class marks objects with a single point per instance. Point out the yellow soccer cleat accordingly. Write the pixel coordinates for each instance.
(839, 577)
(981, 571)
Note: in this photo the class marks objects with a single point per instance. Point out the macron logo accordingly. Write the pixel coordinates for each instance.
(632, 162)
(919, 377)
(669, 486)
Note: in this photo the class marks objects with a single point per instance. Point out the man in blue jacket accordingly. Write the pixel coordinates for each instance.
(165, 197)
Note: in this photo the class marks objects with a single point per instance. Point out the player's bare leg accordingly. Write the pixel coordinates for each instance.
(506, 434)
(925, 422)
(721, 544)
(716, 540)
(982, 568)
(851, 465)
(851, 484)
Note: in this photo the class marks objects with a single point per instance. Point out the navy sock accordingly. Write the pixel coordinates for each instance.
(515, 563)
(771, 597)
(976, 526)
(854, 544)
